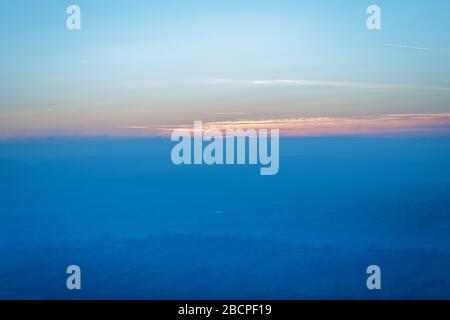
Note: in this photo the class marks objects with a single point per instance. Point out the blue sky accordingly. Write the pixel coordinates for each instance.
(156, 63)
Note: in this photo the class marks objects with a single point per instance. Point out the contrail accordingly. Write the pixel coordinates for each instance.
(405, 47)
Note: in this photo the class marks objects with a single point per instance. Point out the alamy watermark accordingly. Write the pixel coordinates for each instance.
(374, 19)
(74, 280)
(374, 279)
(73, 21)
(232, 147)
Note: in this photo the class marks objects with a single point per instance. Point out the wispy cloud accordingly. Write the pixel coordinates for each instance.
(394, 124)
(320, 83)
(230, 113)
(406, 47)
(133, 127)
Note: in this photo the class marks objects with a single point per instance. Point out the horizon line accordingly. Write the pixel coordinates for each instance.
(381, 125)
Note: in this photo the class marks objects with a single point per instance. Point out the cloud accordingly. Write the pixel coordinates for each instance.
(231, 113)
(339, 84)
(406, 47)
(393, 124)
(133, 127)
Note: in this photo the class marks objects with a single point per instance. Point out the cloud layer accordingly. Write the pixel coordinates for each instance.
(395, 124)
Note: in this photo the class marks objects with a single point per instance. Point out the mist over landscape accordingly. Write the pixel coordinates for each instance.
(143, 228)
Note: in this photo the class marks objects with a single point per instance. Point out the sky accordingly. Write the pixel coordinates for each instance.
(138, 67)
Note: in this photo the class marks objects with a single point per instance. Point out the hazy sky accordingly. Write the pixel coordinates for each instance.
(139, 63)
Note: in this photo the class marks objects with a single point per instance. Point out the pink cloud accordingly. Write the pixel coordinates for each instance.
(394, 124)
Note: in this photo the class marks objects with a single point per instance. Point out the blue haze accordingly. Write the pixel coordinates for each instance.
(141, 228)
